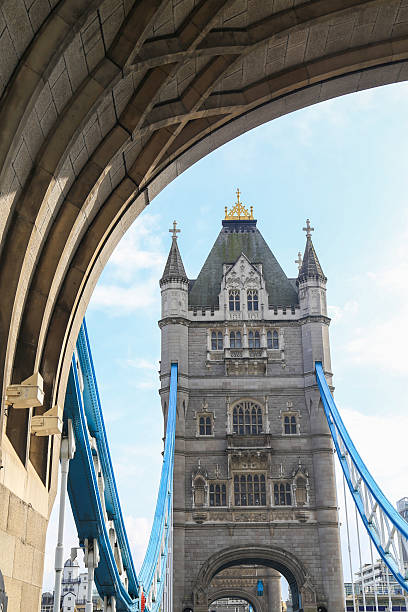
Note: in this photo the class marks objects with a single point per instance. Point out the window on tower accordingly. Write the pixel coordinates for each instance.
(250, 490)
(282, 494)
(216, 341)
(272, 339)
(247, 419)
(252, 299)
(235, 340)
(234, 299)
(218, 495)
(205, 426)
(254, 339)
(290, 424)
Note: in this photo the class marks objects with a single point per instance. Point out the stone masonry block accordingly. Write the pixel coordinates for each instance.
(13, 590)
(30, 598)
(23, 561)
(17, 517)
(4, 506)
(36, 529)
(7, 546)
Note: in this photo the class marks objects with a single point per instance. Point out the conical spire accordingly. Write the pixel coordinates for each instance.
(174, 269)
(310, 267)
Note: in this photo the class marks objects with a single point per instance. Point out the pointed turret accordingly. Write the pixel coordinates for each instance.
(312, 298)
(310, 267)
(174, 269)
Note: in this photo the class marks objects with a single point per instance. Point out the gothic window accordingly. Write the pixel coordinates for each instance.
(282, 494)
(290, 425)
(205, 426)
(252, 299)
(250, 490)
(218, 495)
(199, 492)
(301, 491)
(216, 341)
(272, 339)
(247, 419)
(235, 340)
(254, 339)
(234, 299)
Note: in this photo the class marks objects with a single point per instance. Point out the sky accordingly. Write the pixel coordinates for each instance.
(341, 163)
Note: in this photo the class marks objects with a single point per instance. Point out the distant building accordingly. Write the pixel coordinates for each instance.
(402, 507)
(73, 591)
(378, 580)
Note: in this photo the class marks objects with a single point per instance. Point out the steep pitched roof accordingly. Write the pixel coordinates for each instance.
(174, 268)
(311, 267)
(238, 237)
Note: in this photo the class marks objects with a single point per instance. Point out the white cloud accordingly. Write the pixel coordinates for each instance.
(336, 313)
(143, 364)
(138, 531)
(130, 281)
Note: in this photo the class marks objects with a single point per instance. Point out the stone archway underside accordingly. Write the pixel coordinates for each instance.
(285, 562)
(104, 103)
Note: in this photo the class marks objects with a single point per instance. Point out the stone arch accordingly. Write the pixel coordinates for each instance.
(283, 561)
(240, 593)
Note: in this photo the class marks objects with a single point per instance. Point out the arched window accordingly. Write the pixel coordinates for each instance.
(247, 419)
(254, 339)
(199, 492)
(252, 299)
(234, 299)
(205, 426)
(272, 339)
(250, 490)
(218, 495)
(216, 341)
(301, 491)
(282, 494)
(235, 340)
(289, 425)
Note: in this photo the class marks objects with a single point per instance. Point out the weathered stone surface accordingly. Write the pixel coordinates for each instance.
(141, 90)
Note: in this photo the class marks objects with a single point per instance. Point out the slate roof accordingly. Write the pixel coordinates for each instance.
(311, 267)
(238, 237)
(174, 269)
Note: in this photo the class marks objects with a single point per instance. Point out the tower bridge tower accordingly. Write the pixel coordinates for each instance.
(254, 479)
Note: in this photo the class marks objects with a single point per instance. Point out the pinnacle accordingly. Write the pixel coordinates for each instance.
(174, 269)
(310, 267)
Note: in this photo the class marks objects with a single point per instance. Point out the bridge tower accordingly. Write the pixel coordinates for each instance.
(254, 473)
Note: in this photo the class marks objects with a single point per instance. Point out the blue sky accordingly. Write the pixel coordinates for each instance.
(343, 163)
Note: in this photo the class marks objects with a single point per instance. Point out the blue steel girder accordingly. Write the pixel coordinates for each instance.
(385, 526)
(94, 497)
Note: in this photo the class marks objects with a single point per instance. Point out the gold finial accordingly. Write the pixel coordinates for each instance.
(239, 211)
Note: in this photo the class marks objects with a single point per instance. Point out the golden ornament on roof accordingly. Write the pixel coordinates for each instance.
(239, 212)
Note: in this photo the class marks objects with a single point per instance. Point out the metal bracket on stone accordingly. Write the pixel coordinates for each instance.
(3, 596)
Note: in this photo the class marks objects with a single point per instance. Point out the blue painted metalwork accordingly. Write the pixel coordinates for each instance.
(386, 528)
(95, 508)
(154, 567)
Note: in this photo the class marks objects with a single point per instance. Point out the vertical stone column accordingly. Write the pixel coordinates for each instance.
(273, 590)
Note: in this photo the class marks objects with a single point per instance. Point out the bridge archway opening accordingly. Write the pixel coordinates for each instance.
(277, 559)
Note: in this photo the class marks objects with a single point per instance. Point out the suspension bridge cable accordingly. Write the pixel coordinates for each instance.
(361, 562)
(374, 577)
(349, 546)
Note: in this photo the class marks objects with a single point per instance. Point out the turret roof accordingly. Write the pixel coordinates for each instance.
(174, 268)
(236, 237)
(311, 267)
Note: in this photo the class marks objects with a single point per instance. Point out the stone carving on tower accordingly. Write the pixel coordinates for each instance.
(253, 465)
